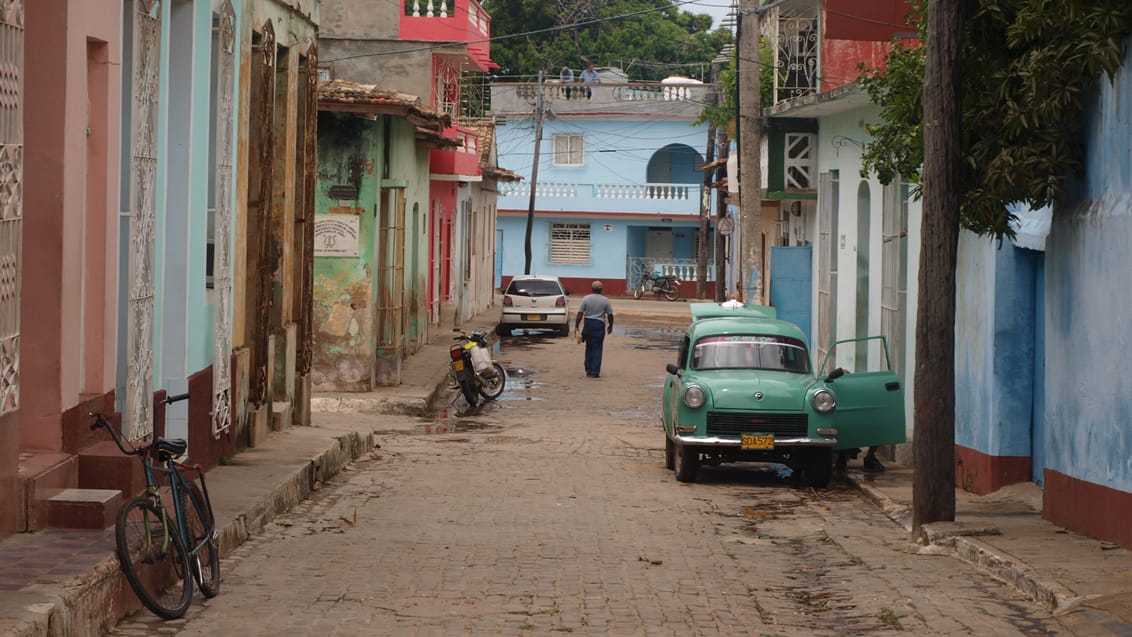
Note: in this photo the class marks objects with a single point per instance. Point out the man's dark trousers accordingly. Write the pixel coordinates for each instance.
(593, 333)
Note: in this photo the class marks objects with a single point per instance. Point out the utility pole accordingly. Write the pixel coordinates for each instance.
(534, 175)
(705, 202)
(749, 277)
(722, 254)
(933, 445)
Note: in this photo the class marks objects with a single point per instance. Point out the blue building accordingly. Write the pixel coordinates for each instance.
(619, 183)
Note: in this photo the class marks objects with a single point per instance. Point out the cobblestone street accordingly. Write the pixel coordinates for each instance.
(551, 512)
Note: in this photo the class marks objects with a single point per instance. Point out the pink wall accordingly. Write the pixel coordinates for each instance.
(71, 129)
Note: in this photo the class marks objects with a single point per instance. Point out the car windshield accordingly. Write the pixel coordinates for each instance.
(534, 287)
(751, 351)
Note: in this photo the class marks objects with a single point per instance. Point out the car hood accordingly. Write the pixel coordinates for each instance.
(780, 391)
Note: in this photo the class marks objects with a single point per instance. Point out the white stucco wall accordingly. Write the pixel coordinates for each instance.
(840, 146)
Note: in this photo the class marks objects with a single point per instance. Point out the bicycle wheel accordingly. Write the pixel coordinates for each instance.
(204, 553)
(491, 388)
(153, 558)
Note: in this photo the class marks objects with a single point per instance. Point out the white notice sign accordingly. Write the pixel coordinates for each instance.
(336, 235)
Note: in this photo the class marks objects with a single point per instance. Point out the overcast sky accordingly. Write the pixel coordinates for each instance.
(717, 9)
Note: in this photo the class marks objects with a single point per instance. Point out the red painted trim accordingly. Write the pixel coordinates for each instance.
(1092, 509)
(983, 473)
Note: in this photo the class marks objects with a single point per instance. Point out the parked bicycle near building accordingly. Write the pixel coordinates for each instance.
(162, 548)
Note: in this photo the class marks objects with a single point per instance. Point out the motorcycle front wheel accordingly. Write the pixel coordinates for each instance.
(672, 292)
(637, 293)
(468, 388)
(491, 388)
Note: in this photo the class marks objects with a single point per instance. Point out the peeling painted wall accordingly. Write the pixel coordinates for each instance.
(994, 346)
(369, 156)
(344, 292)
(1088, 393)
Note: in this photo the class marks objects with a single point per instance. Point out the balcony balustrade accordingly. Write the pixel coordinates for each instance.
(654, 198)
(654, 99)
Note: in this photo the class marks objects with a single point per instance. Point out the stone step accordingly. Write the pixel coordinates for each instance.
(104, 466)
(41, 475)
(83, 508)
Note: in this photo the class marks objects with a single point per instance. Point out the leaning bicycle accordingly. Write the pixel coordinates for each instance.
(162, 548)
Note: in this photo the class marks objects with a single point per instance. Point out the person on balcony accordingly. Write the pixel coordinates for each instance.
(566, 76)
(589, 76)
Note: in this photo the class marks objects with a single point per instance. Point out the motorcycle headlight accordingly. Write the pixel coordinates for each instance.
(694, 396)
(824, 401)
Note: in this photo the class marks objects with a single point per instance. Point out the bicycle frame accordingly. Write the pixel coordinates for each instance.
(155, 461)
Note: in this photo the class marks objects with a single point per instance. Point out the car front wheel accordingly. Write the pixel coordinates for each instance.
(819, 468)
(687, 463)
(669, 453)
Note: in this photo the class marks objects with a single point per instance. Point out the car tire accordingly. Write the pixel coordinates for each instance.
(669, 453)
(819, 468)
(687, 463)
(564, 330)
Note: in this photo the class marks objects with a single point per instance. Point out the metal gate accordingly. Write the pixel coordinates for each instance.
(222, 277)
(11, 198)
(137, 417)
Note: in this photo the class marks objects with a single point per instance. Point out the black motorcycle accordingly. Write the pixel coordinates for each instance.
(472, 370)
(666, 284)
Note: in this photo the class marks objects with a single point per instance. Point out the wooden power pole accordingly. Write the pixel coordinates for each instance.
(749, 276)
(933, 442)
(534, 176)
(705, 205)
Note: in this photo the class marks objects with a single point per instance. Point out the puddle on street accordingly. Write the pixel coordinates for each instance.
(447, 420)
(662, 338)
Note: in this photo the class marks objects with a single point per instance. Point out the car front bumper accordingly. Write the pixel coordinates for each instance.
(727, 441)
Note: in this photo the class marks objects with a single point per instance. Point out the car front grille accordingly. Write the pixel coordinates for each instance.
(734, 424)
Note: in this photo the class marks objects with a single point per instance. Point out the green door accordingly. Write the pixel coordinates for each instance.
(870, 405)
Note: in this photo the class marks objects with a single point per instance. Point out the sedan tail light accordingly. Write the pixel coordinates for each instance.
(560, 302)
(507, 301)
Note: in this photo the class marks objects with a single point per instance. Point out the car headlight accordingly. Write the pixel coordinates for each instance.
(694, 396)
(824, 401)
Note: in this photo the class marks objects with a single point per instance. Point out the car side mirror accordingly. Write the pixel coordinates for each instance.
(835, 374)
(672, 369)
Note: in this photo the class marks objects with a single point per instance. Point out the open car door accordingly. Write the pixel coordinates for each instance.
(870, 405)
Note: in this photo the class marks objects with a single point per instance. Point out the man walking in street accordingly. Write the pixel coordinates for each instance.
(597, 312)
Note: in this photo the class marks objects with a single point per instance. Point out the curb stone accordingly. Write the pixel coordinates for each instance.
(1055, 597)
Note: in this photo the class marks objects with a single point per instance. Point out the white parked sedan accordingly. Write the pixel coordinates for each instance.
(535, 302)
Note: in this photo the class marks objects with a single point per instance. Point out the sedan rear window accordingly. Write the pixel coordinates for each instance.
(751, 351)
(534, 287)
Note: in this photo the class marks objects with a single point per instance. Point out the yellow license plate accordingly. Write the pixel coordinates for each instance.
(458, 365)
(534, 317)
(756, 441)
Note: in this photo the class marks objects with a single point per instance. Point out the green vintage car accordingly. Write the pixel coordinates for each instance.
(743, 389)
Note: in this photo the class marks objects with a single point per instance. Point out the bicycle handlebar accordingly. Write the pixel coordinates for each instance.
(100, 420)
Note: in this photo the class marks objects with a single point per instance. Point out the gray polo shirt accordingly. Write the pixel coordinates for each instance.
(595, 306)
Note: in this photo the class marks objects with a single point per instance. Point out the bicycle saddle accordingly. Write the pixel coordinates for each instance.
(172, 446)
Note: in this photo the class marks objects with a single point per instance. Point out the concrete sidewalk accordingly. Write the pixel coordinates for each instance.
(1085, 582)
(67, 583)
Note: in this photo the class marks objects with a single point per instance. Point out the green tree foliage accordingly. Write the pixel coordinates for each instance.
(723, 116)
(1027, 66)
(649, 39)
